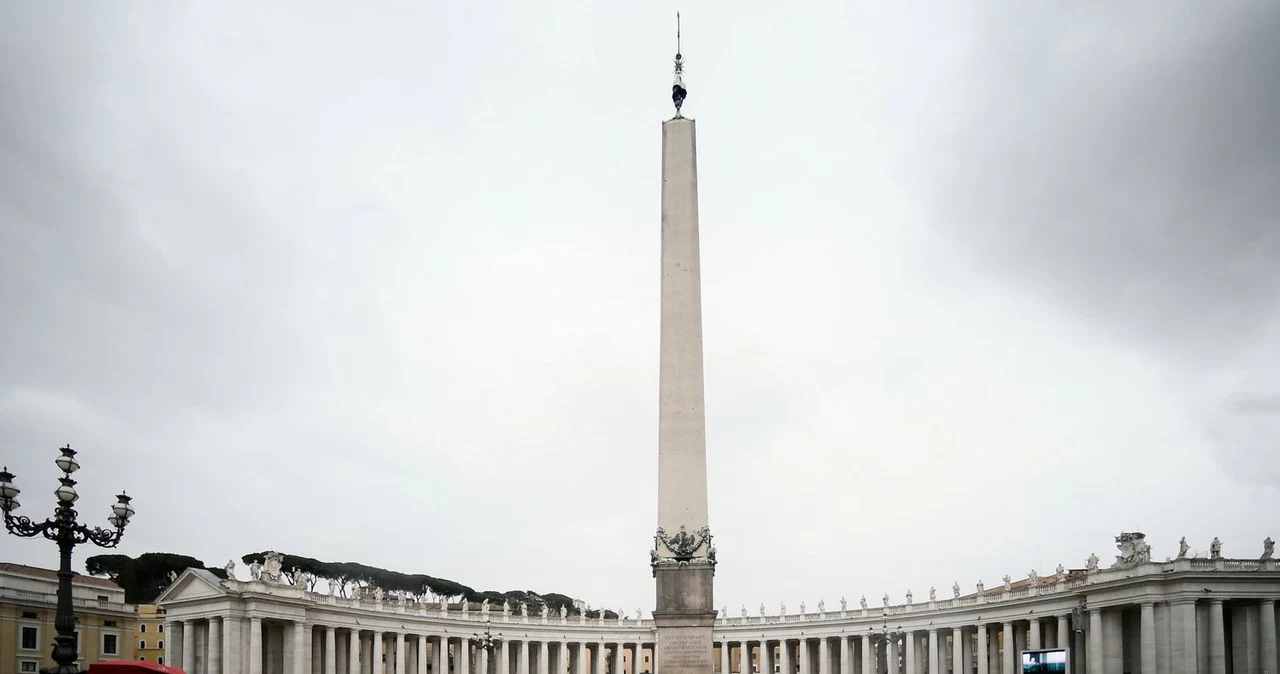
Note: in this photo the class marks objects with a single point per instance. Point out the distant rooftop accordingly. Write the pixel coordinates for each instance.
(50, 574)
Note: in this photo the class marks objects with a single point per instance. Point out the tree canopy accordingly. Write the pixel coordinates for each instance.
(145, 577)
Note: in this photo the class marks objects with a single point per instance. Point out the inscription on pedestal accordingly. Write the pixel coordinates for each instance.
(685, 650)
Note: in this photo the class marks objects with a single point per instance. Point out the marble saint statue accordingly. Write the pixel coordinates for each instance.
(933, 593)
(484, 607)
(1183, 548)
(801, 608)
(639, 614)
(1008, 582)
(1031, 576)
(506, 607)
(255, 571)
(761, 610)
(886, 600)
(782, 608)
(724, 612)
(844, 605)
(524, 610)
(863, 602)
(981, 587)
(230, 568)
(1091, 564)
(910, 598)
(955, 590)
(545, 611)
(1215, 549)
(744, 610)
(1268, 548)
(822, 606)
(1061, 573)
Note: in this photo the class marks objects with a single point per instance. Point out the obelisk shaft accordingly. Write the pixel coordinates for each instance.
(682, 454)
(684, 559)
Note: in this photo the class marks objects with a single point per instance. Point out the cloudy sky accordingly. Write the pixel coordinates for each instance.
(984, 283)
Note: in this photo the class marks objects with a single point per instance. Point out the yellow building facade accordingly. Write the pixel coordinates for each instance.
(149, 637)
(105, 624)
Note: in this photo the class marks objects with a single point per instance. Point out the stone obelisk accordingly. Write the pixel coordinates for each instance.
(683, 558)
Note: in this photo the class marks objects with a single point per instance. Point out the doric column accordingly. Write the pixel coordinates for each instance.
(171, 628)
(400, 661)
(824, 657)
(1267, 626)
(1095, 641)
(522, 658)
(189, 647)
(353, 652)
(255, 645)
(482, 661)
(984, 651)
(330, 650)
(846, 656)
(909, 656)
(618, 649)
(724, 657)
(1147, 641)
(544, 658)
(1217, 639)
(935, 667)
(299, 648)
(1009, 652)
(1064, 632)
(422, 654)
(867, 653)
(462, 662)
(376, 652)
(1033, 640)
(232, 648)
(214, 644)
(766, 656)
(784, 657)
(957, 650)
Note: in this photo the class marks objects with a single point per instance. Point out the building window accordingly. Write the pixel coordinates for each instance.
(160, 628)
(109, 623)
(142, 645)
(159, 659)
(142, 628)
(30, 638)
(110, 644)
(104, 598)
(142, 658)
(30, 615)
(160, 643)
(29, 667)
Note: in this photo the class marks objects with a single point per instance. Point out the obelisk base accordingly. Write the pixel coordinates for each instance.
(685, 619)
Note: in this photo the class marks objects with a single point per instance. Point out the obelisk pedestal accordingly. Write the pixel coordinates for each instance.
(683, 557)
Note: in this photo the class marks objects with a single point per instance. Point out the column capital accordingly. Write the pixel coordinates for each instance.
(1215, 601)
(1148, 605)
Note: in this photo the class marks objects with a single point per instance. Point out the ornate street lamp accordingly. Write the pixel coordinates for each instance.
(886, 637)
(487, 642)
(67, 533)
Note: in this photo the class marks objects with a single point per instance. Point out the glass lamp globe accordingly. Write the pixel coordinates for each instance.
(116, 521)
(9, 505)
(123, 509)
(66, 493)
(67, 461)
(7, 488)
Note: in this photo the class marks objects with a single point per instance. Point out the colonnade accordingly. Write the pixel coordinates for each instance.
(1187, 636)
(228, 645)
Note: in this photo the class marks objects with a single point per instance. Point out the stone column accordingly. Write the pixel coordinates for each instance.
(618, 665)
(353, 652)
(1033, 641)
(255, 645)
(442, 655)
(299, 648)
(784, 657)
(522, 658)
(1064, 632)
(846, 656)
(824, 656)
(1095, 641)
(957, 650)
(215, 647)
(422, 654)
(232, 646)
(1267, 627)
(400, 662)
(867, 654)
(766, 656)
(1009, 652)
(1217, 639)
(1147, 662)
(984, 651)
(330, 650)
(724, 657)
(376, 653)
(935, 667)
(189, 647)
(544, 658)
(909, 644)
(464, 657)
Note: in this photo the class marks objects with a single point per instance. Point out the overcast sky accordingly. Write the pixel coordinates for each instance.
(984, 283)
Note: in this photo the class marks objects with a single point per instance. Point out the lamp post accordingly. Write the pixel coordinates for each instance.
(487, 642)
(882, 646)
(63, 529)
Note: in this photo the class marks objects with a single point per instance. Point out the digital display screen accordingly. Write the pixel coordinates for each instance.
(1036, 662)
